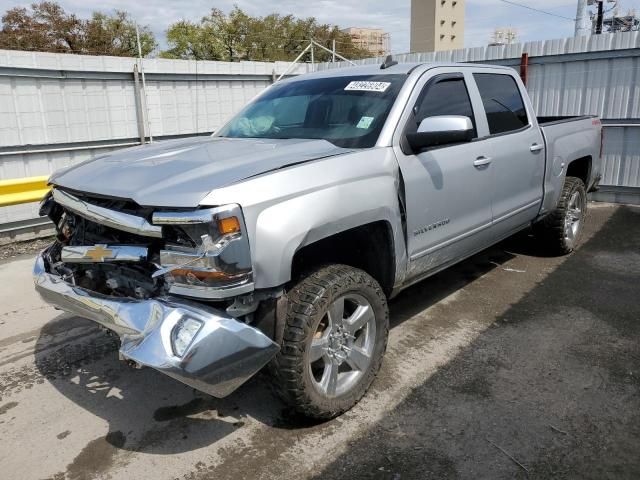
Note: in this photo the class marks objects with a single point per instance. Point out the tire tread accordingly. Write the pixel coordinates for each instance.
(551, 229)
(287, 368)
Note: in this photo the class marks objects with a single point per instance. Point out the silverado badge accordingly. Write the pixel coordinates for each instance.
(433, 226)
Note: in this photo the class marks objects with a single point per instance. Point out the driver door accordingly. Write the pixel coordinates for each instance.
(448, 187)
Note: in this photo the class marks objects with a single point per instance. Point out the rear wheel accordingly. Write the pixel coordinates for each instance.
(561, 230)
(334, 339)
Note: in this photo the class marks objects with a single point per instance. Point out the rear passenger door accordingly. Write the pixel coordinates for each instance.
(517, 151)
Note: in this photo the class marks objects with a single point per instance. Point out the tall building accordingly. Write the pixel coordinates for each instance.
(375, 40)
(437, 25)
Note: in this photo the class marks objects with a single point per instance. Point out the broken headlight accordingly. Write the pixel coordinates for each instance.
(219, 264)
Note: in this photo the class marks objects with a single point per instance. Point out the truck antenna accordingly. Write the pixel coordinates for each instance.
(388, 62)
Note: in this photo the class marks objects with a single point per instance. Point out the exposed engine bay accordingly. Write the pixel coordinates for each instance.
(175, 285)
(106, 275)
(113, 279)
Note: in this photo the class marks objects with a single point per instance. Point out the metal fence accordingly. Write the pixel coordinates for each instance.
(57, 110)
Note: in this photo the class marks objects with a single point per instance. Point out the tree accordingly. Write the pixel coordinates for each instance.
(190, 41)
(233, 31)
(116, 35)
(47, 27)
(239, 36)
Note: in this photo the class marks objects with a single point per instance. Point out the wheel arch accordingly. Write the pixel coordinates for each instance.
(581, 168)
(369, 247)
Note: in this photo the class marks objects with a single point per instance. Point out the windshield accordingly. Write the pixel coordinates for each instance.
(346, 111)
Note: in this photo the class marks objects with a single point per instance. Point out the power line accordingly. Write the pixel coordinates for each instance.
(538, 10)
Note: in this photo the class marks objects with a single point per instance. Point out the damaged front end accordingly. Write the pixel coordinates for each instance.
(167, 283)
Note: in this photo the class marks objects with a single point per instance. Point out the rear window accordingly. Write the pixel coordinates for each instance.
(502, 102)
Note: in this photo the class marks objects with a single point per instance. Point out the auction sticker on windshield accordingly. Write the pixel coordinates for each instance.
(365, 122)
(363, 86)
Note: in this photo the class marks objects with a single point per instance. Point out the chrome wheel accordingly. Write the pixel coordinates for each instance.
(573, 217)
(342, 346)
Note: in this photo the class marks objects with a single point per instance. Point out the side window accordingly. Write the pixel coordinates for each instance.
(446, 97)
(502, 102)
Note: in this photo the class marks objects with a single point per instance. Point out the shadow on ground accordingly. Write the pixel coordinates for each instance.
(152, 413)
(550, 390)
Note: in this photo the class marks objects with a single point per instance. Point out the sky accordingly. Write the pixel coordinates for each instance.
(482, 16)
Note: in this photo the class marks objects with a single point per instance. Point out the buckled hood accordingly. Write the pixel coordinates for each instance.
(180, 173)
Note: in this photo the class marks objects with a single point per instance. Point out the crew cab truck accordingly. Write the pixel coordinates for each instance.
(278, 240)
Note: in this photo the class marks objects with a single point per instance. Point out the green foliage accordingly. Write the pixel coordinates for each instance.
(116, 34)
(191, 41)
(239, 36)
(48, 28)
(45, 26)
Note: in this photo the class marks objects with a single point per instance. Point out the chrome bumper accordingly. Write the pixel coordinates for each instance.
(224, 354)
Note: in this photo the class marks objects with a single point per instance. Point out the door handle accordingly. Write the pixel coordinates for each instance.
(536, 148)
(482, 162)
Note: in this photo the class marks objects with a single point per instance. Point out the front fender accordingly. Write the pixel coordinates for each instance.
(291, 208)
(286, 227)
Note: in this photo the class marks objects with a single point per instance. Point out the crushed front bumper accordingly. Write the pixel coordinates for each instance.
(224, 354)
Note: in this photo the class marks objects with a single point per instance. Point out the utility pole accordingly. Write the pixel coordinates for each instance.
(139, 110)
(600, 18)
(583, 22)
(144, 86)
(312, 55)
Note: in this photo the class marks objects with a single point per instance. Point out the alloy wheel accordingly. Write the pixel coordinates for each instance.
(573, 217)
(342, 346)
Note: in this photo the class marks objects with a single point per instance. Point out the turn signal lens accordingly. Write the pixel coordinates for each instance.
(229, 225)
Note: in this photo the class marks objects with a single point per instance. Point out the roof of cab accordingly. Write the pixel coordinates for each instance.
(398, 69)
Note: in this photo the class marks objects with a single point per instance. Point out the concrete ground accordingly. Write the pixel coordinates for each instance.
(509, 365)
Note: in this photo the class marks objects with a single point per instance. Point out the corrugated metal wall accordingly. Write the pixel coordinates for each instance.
(62, 109)
(57, 110)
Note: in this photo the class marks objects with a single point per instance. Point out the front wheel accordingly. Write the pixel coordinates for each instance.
(334, 339)
(561, 229)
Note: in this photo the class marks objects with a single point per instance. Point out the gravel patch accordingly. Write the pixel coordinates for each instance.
(22, 248)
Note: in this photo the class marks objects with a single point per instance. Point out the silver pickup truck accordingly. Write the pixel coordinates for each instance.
(278, 240)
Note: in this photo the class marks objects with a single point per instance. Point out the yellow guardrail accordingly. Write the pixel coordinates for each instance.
(22, 190)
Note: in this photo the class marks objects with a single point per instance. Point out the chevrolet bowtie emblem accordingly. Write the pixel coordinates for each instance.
(98, 253)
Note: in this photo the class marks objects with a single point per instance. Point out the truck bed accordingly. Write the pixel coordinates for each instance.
(568, 139)
(548, 121)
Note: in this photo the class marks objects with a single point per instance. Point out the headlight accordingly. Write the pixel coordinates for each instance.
(220, 264)
(183, 334)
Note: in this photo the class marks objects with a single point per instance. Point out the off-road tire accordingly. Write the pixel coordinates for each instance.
(551, 230)
(308, 301)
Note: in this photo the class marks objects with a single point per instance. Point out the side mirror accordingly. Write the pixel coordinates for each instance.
(441, 130)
